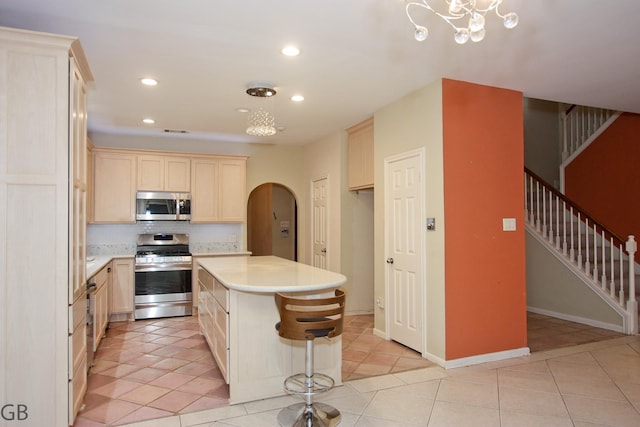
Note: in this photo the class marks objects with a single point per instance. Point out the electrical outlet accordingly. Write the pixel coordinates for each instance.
(379, 302)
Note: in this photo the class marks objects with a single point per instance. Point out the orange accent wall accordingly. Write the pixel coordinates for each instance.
(604, 179)
(485, 291)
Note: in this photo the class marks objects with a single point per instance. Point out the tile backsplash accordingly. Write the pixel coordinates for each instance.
(120, 239)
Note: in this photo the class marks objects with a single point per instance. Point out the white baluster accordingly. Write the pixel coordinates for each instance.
(595, 253)
(621, 292)
(557, 223)
(544, 211)
(538, 206)
(572, 252)
(612, 284)
(579, 259)
(587, 262)
(603, 281)
(564, 228)
(632, 304)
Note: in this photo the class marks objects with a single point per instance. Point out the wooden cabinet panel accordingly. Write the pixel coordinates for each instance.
(122, 283)
(114, 187)
(218, 188)
(177, 174)
(204, 190)
(232, 190)
(361, 155)
(150, 173)
(163, 173)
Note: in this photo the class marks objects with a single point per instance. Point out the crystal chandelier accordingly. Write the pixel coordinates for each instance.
(261, 121)
(469, 13)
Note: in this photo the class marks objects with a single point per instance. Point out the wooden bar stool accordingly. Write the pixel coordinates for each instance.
(307, 319)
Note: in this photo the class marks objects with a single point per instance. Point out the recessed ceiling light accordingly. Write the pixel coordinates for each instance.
(297, 98)
(242, 110)
(148, 81)
(290, 51)
(148, 121)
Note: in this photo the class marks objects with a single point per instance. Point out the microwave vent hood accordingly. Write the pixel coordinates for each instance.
(163, 206)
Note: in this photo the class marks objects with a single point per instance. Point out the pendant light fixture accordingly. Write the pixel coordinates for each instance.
(261, 121)
(466, 17)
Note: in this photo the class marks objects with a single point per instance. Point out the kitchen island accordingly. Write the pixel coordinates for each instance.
(237, 316)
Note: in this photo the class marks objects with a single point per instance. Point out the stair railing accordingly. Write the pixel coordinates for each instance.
(604, 257)
(579, 124)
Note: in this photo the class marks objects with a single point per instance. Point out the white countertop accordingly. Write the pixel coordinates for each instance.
(96, 263)
(266, 274)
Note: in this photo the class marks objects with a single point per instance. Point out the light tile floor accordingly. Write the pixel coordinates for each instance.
(596, 384)
(161, 371)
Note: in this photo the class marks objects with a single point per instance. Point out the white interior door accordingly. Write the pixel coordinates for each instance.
(404, 248)
(319, 223)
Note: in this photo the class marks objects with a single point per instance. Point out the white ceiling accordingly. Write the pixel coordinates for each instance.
(357, 56)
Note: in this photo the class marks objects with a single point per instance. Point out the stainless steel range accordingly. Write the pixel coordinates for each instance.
(163, 276)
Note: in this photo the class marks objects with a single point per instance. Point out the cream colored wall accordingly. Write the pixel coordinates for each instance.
(323, 159)
(412, 122)
(553, 288)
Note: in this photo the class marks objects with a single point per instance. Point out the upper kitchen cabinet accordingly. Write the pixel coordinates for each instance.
(218, 189)
(361, 155)
(42, 193)
(164, 173)
(114, 186)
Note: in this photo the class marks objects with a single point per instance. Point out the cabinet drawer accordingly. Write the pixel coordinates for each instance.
(205, 279)
(221, 294)
(78, 386)
(78, 313)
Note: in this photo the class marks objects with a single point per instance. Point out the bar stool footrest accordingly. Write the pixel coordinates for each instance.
(297, 384)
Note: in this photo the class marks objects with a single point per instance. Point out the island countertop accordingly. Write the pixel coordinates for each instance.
(266, 274)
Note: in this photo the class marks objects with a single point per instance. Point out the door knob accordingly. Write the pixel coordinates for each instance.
(323, 250)
(389, 260)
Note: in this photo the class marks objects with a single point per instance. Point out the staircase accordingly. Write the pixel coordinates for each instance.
(603, 260)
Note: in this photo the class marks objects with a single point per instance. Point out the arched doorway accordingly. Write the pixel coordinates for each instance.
(272, 226)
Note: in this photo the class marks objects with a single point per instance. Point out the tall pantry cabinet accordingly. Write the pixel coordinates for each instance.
(43, 188)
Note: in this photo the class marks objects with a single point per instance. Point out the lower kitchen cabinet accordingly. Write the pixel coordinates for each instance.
(78, 355)
(122, 287)
(213, 316)
(101, 310)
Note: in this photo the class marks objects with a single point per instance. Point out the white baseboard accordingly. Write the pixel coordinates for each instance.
(577, 319)
(483, 358)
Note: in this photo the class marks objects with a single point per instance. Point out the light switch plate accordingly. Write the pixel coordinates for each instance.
(508, 224)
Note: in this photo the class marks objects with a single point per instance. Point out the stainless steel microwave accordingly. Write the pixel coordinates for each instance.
(161, 206)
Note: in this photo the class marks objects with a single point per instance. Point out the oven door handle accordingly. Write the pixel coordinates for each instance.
(163, 267)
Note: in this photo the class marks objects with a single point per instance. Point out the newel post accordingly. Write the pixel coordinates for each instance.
(632, 305)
